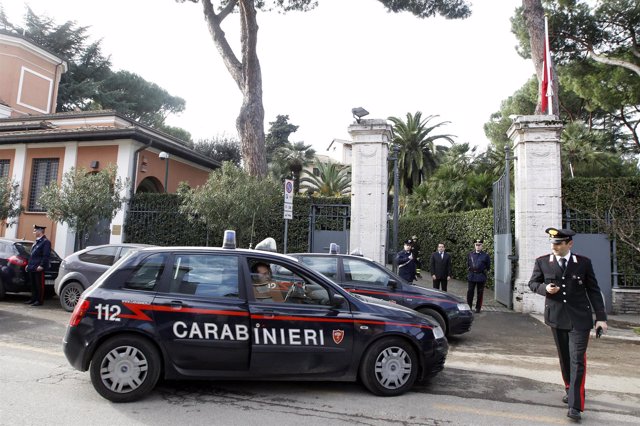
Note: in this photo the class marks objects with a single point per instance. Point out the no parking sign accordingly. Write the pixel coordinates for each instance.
(288, 199)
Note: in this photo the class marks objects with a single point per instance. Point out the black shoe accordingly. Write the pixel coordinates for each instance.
(36, 304)
(574, 414)
(565, 398)
(477, 311)
(28, 302)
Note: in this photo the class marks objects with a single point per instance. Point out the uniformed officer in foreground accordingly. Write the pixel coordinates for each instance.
(38, 263)
(571, 290)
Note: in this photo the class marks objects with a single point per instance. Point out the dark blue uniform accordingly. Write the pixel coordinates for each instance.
(406, 265)
(478, 264)
(569, 314)
(40, 255)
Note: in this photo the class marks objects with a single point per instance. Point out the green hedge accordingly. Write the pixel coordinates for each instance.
(156, 219)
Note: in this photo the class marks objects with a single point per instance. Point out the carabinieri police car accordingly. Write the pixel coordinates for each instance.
(223, 313)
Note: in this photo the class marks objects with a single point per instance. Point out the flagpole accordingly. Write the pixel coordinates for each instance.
(547, 69)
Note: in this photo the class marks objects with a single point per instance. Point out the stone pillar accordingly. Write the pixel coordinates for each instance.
(538, 202)
(369, 187)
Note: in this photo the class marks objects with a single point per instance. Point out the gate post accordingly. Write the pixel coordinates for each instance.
(538, 197)
(369, 187)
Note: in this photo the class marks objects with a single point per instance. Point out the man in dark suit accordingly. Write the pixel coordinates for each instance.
(571, 295)
(38, 263)
(478, 264)
(440, 268)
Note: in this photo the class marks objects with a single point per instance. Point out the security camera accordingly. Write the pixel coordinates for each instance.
(163, 155)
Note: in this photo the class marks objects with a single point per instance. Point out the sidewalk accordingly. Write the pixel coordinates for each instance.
(619, 326)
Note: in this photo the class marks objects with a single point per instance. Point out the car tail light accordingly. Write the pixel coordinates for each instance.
(18, 261)
(78, 312)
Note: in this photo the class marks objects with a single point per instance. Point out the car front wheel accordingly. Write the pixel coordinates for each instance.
(436, 317)
(70, 295)
(389, 367)
(125, 368)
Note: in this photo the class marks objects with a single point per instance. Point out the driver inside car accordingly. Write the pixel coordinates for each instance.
(262, 281)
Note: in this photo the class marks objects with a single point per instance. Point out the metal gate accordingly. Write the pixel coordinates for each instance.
(330, 223)
(502, 237)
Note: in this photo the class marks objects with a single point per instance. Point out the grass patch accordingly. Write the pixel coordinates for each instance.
(636, 330)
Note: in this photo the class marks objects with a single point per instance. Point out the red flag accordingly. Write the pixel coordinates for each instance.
(546, 103)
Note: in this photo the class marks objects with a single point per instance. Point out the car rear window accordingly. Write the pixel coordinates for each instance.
(207, 275)
(101, 256)
(327, 266)
(148, 273)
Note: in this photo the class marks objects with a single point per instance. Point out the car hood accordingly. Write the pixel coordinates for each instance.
(443, 295)
(384, 307)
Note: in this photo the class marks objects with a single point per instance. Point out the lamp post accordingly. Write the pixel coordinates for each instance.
(396, 189)
(165, 156)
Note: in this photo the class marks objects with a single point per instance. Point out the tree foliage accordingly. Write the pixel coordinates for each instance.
(418, 153)
(230, 199)
(278, 135)
(333, 180)
(83, 199)
(10, 198)
(289, 160)
(244, 66)
(220, 148)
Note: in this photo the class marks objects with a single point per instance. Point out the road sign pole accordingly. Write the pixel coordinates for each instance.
(286, 229)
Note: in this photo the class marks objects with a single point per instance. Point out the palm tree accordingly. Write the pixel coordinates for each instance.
(417, 158)
(333, 180)
(291, 159)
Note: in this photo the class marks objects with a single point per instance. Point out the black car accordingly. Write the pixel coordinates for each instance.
(192, 313)
(14, 256)
(360, 275)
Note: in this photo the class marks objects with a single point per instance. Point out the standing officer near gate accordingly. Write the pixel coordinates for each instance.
(38, 263)
(571, 291)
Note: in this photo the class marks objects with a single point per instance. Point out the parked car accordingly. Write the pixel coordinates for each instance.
(193, 313)
(14, 256)
(360, 275)
(82, 268)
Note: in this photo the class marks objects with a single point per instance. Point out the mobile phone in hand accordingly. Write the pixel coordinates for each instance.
(598, 332)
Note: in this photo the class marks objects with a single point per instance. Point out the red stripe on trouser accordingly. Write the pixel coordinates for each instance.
(584, 377)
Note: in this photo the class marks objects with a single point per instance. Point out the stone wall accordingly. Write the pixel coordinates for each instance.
(626, 301)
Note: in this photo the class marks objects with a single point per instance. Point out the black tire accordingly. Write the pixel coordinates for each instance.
(389, 367)
(70, 294)
(125, 368)
(435, 316)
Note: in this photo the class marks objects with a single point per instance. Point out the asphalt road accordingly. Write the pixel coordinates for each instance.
(504, 371)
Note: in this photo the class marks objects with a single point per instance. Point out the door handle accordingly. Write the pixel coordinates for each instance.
(176, 304)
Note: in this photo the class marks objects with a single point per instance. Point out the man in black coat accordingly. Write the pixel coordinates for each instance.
(38, 263)
(571, 295)
(440, 268)
(478, 264)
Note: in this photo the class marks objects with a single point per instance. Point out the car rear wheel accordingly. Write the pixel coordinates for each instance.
(436, 317)
(389, 367)
(125, 368)
(70, 295)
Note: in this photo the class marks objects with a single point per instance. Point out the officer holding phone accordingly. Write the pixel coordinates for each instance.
(571, 295)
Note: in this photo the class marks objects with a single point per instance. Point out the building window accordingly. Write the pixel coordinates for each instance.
(4, 168)
(44, 171)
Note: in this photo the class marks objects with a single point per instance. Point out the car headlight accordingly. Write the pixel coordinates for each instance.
(463, 307)
(437, 332)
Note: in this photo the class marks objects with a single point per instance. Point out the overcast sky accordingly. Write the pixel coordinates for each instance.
(316, 66)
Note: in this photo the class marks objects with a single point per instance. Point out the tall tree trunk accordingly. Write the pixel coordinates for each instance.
(533, 15)
(247, 75)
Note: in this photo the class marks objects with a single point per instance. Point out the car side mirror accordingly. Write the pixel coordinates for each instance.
(337, 300)
(392, 284)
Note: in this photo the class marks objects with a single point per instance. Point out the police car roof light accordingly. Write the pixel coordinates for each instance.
(334, 248)
(268, 244)
(356, 252)
(229, 241)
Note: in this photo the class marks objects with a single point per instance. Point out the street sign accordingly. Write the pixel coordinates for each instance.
(288, 207)
(288, 215)
(288, 191)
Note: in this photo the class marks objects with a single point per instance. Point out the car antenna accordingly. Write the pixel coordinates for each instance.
(251, 236)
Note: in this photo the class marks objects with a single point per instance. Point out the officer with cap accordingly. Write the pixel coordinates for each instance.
(478, 264)
(38, 263)
(571, 295)
(406, 262)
